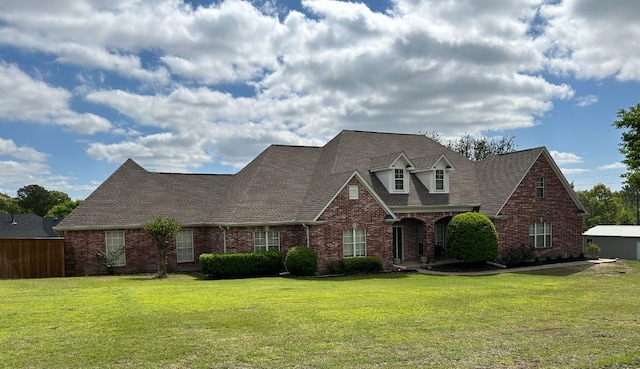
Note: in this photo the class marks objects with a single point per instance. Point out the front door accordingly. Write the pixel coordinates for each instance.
(398, 243)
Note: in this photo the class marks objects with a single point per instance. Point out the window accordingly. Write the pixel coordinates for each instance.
(353, 192)
(540, 187)
(354, 242)
(439, 180)
(115, 254)
(184, 246)
(540, 235)
(266, 241)
(399, 180)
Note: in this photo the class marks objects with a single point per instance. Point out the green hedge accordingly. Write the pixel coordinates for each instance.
(472, 237)
(301, 260)
(252, 264)
(359, 265)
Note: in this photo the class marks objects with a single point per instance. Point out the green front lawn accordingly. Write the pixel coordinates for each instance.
(561, 318)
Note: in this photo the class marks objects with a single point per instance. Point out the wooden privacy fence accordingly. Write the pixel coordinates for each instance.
(31, 257)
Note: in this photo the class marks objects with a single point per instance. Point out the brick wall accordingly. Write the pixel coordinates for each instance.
(343, 214)
(140, 251)
(556, 207)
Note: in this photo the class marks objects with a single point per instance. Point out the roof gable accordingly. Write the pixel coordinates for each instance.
(500, 176)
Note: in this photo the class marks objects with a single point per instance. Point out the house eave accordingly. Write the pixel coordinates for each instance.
(194, 224)
(434, 208)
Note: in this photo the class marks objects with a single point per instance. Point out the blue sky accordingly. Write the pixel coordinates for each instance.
(204, 86)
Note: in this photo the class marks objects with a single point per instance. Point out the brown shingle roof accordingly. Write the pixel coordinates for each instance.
(499, 175)
(293, 184)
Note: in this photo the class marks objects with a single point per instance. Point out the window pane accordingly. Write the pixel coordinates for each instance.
(260, 241)
(184, 246)
(347, 244)
(347, 236)
(115, 250)
(274, 241)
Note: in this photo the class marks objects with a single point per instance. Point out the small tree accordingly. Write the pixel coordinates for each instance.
(472, 237)
(161, 230)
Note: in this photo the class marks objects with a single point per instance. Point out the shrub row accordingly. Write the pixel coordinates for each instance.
(359, 265)
(251, 264)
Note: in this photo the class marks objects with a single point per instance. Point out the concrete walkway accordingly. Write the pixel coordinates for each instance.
(418, 269)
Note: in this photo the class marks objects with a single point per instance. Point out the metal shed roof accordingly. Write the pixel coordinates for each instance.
(614, 231)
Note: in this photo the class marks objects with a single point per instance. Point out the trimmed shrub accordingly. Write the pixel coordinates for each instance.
(518, 255)
(472, 237)
(248, 264)
(359, 265)
(301, 260)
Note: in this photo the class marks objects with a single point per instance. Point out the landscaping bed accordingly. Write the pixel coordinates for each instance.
(462, 267)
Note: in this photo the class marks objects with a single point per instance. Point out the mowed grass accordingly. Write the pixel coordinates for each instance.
(584, 317)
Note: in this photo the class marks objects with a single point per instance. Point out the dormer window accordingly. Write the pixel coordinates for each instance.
(434, 172)
(393, 171)
(399, 180)
(439, 180)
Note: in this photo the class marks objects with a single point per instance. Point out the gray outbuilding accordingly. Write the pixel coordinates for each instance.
(615, 241)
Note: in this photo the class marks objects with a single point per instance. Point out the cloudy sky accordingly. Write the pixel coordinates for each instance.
(200, 86)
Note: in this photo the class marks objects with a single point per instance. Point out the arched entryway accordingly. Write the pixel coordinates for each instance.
(440, 244)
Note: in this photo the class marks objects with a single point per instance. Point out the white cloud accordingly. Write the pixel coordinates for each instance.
(574, 170)
(19, 173)
(9, 148)
(27, 100)
(587, 100)
(592, 39)
(563, 158)
(617, 165)
(453, 67)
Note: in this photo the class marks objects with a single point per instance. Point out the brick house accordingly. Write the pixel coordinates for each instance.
(363, 193)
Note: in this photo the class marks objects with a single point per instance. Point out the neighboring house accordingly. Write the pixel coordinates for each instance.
(363, 193)
(27, 226)
(615, 241)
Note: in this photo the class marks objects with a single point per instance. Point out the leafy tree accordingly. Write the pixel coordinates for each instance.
(35, 199)
(476, 148)
(630, 197)
(604, 207)
(58, 197)
(629, 121)
(8, 204)
(38, 200)
(63, 209)
(161, 230)
(472, 237)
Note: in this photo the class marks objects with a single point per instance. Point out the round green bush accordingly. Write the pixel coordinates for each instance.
(472, 237)
(301, 260)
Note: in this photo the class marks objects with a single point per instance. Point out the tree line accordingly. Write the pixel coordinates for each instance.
(35, 199)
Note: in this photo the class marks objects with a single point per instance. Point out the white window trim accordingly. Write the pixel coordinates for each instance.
(353, 245)
(354, 192)
(110, 237)
(435, 176)
(185, 244)
(275, 246)
(405, 181)
(540, 187)
(541, 229)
